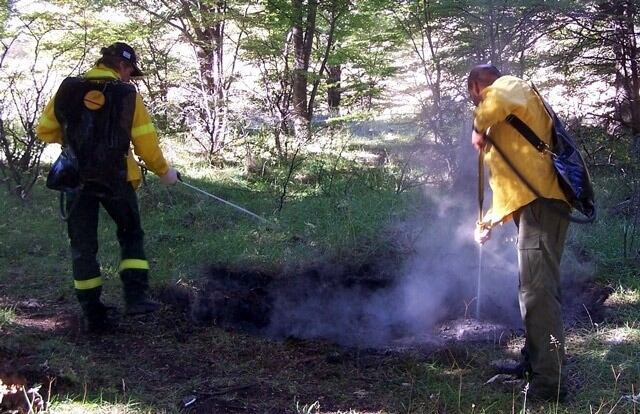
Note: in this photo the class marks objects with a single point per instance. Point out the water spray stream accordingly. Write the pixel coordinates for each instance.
(479, 281)
(480, 203)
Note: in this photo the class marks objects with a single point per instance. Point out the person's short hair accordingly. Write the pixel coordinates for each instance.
(483, 74)
(110, 61)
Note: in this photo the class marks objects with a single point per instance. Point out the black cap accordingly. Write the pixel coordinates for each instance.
(125, 52)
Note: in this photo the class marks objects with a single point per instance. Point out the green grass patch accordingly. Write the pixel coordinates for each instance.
(7, 317)
(98, 405)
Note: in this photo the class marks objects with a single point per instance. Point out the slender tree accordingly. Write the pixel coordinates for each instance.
(600, 44)
(22, 99)
(204, 26)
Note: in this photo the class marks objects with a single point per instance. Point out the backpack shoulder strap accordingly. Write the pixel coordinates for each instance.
(527, 133)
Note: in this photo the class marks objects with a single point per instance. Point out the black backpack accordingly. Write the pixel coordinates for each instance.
(573, 174)
(97, 135)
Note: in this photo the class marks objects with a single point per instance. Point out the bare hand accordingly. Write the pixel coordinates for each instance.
(482, 233)
(477, 140)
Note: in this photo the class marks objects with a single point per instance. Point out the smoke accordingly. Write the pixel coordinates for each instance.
(437, 281)
(338, 305)
(441, 279)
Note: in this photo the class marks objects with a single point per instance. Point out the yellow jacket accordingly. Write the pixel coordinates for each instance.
(511, 95)
(143, 133)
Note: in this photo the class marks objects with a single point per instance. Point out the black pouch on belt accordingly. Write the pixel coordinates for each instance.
(64, 174)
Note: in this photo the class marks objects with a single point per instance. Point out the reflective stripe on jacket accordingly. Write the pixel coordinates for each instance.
(511, 95)
(143, 133)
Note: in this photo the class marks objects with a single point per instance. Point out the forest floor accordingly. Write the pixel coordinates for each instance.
(167, 363)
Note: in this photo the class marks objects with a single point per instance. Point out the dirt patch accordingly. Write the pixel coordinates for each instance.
(584, 303)
(336, 344)
(166, 360)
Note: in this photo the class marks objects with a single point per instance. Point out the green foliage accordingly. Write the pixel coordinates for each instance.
(366, 40)
(362, 40)
(614, 239)
(7, 317)
(330, 212)
(5, 13)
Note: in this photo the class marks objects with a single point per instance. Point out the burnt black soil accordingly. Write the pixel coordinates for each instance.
(316, 302)
(353, 306)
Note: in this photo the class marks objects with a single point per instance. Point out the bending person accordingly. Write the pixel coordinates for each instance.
(542, 221)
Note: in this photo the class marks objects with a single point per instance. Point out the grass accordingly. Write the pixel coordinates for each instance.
(336, 208)
(71, 406)
(7, 317)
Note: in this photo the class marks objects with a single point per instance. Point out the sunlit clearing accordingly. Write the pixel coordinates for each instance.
(620, 336)
(75, 407)
(624, 296)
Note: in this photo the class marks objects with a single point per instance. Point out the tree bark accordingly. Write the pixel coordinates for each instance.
(303, 28)
(334, 93)
(337, 9)
(203, 25)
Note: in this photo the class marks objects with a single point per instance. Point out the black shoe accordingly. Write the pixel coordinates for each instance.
(536, 392)
(141, 306)
(99, 318)
(520, 370)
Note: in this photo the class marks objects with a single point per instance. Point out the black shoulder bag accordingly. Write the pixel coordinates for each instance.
(64, 176)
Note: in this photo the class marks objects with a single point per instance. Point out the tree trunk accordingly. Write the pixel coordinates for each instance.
(208, 39)
(334, 93)
(634, 95)
(435, 75)
(336, 12)
(492, 31)
(623, 43)
(303, 31)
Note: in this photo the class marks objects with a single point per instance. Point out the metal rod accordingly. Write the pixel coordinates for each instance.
(244, 210)
(479, 283)
(480, 207)
(480, 183)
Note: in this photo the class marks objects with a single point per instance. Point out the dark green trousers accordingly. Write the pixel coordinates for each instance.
(82, 227)
(542, 228)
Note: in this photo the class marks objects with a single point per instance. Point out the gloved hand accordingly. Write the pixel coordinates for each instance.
(170, 177)
(482, 233)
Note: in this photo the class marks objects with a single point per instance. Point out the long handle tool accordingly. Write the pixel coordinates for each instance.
(237, 207)
(480, 184)
(480, 203)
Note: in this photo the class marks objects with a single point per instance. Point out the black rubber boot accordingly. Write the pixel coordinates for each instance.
(521, 370)
(99, 318)
(136, 286)
(537, 392)
(140, 305)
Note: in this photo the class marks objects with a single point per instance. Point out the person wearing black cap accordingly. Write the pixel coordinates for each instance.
(98, 116)
(121, 52)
